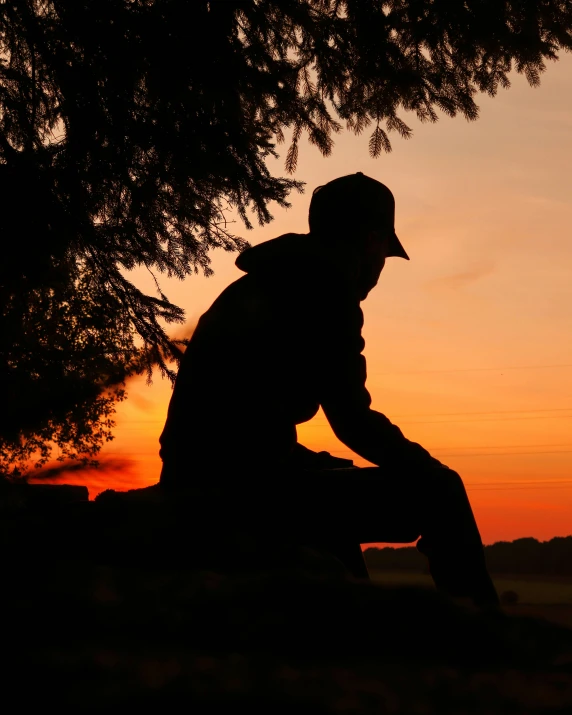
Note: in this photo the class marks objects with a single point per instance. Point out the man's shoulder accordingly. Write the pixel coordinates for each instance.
(276, 253)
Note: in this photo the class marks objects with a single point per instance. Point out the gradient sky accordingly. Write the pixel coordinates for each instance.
(469, 345)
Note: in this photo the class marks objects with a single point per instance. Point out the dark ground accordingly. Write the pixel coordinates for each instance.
(106, 607)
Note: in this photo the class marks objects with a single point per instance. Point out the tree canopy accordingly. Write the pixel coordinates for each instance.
(128, 128)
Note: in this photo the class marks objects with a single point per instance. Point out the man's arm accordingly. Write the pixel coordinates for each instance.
(303, 458)
(346, 401)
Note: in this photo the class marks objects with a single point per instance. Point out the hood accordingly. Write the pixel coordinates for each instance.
(279, 254)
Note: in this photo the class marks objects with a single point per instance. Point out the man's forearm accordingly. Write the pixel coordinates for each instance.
(303, 458)
(375, 438)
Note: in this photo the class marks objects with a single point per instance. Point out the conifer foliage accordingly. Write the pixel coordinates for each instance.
(128, 128)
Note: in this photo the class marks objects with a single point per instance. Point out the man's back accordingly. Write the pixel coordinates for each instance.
(275, 346)
(252, 369)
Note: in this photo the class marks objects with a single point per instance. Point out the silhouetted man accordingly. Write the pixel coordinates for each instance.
(276, 345)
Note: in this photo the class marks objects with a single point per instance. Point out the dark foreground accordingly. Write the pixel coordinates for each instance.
(108, 607)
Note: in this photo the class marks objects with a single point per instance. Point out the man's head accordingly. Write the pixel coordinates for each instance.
(354, 216)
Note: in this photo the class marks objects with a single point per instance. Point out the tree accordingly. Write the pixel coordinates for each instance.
(67, 353)
(129, 127)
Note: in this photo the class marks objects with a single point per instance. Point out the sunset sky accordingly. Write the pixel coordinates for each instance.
(469, 345)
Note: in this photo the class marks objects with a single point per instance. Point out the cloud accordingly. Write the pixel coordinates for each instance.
(458, 281)
(60, 472)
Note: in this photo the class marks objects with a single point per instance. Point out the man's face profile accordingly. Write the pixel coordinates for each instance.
(376, 248)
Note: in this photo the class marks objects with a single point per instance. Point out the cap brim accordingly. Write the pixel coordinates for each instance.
(396, 249)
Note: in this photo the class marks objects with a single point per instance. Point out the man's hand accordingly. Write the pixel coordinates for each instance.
(303, 458)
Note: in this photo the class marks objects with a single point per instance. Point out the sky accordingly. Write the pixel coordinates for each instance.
(469, 344)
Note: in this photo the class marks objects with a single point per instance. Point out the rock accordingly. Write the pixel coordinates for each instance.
(16, 496)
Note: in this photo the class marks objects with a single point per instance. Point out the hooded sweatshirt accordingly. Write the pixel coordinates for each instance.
(277, 344)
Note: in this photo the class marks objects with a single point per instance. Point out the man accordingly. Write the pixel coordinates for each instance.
(276, 345)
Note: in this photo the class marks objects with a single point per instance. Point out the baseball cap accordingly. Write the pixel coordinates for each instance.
(348, 201)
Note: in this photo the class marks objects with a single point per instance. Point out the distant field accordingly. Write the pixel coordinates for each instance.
(531, 590)
(538, 596)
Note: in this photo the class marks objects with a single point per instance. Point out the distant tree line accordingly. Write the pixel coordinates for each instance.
(522, 556)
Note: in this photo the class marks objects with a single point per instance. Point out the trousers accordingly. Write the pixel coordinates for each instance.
(340, 509)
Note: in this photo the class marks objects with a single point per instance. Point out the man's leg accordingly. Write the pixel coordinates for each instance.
(452, 542)
(349, 553)
(369, 505)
